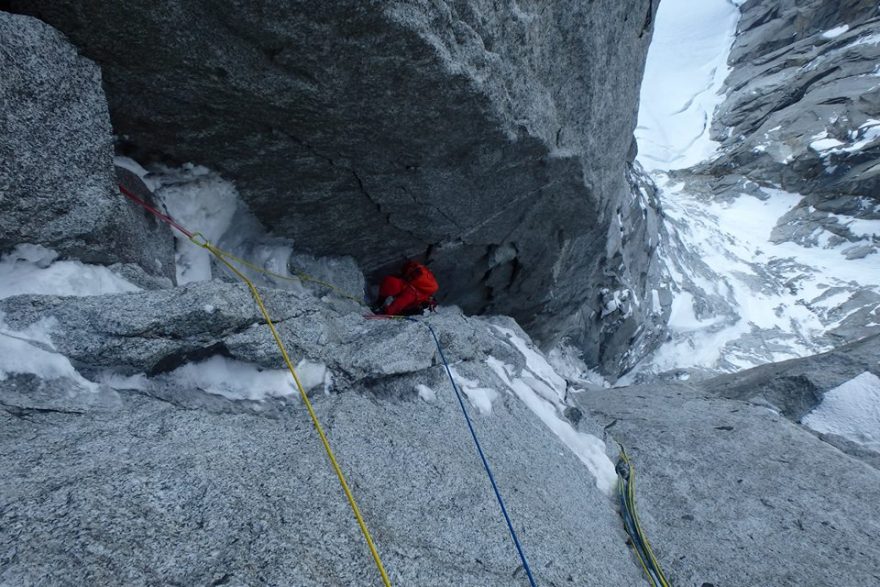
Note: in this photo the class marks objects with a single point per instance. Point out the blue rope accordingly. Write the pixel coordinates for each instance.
(467, 418)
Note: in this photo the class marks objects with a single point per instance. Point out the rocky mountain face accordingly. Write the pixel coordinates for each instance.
(773, 241)
(493, 140)
(803, 113)
(167, 482)
(148, 433)
(737, 494)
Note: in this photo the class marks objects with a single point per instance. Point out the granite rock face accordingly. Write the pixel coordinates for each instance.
(163, 482)
(159, 493)
(492, 139)
(733, 493)
(796, 386)
(56, 173)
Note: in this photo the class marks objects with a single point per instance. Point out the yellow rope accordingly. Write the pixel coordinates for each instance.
(630, 498)
(221, 256)
(297, 275)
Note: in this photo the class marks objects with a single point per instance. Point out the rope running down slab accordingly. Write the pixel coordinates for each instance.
(200, 241)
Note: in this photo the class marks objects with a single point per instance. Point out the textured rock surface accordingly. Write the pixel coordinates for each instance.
(154, 493)
(157, 331)
(801, 114)
(171, 484)
(151, 239)
(491, 138)
(56, 173)
(796, 387)
(731, 493)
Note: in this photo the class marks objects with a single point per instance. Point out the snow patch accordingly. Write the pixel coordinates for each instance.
(589, 449)
(538, 373)
(851, 410)
(871, 39)
(479, 397)
(835, 32)
(31, 352)
(426, 393)
(235, 380)
(825, 144)
(568, 362)
(34, 269)
(313, 374)
(543, 391)
(202, 201)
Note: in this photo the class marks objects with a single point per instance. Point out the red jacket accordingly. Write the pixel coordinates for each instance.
(412, 291)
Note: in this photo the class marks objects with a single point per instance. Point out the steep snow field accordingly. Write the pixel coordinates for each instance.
(742, 300)
(686, 67)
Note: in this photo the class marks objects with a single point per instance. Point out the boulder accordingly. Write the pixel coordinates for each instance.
(57, 186)
(796, 386)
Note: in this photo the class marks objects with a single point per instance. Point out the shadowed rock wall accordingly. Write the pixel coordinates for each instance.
(491, 138)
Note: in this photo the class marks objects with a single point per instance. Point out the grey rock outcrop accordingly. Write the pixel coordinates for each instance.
(732, 493)
(796, 386)
(493, 139)
(56, 173)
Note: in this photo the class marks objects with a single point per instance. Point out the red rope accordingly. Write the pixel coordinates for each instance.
(164, 217)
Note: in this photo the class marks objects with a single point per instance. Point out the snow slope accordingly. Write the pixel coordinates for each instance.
(746, 291)
(851, 410)
(742, 300)
(758, 274)
(684, 73)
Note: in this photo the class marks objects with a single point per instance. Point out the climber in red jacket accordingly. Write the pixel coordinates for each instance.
(408, 293)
